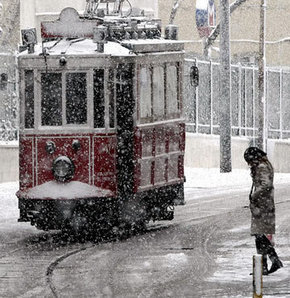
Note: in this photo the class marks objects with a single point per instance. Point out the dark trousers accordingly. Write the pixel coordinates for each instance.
(264, 248)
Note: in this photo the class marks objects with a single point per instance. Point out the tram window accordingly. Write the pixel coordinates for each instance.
(172, 91)
(111, 88)
(29, 99)
(158, 93)
(145, 94)
(51, 99)
(76, 98)
(99, 99)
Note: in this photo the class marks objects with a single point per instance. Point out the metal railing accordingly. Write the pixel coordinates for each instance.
(202, 102)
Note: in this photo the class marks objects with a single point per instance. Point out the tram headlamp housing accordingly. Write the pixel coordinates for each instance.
(63, 169)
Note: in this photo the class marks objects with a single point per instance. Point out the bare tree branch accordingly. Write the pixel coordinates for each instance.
(174, 11)
(210, 40)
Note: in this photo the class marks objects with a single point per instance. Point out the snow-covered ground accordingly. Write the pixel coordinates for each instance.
(196, 178)
(212, 178)
(233, 257)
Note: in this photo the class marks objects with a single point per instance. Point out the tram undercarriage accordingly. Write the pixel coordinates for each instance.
(90, 214)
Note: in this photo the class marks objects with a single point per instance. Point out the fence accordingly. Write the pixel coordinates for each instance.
(202, 102)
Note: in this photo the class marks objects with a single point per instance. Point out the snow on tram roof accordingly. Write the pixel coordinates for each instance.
(79, 47)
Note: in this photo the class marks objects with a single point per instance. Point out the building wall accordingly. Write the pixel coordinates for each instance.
(245, 26)
(203, 151)
(9, 22)
(9, 157)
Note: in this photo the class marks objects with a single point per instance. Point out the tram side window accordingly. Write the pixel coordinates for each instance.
(172, 91)
(145, 95)
(76, 98)
(51, 99)
(111, 88)
(158, 93)
(29, 99)
(99, 99)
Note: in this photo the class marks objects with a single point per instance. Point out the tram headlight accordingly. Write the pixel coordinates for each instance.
(63, 169)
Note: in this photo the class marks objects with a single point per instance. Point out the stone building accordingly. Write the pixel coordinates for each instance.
(9, 40)
(245, 26)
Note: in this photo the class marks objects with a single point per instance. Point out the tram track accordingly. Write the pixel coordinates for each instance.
(54, 264)
(114, 261)
(196, 254)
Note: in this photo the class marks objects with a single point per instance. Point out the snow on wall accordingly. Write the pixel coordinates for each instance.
(9, 163)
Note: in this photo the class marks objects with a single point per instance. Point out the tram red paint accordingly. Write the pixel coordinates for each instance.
(26, 163)
(162, 146)
(63, 144)
(104, 161)
(95, 161)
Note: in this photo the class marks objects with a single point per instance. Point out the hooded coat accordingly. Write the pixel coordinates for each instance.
(262, 204)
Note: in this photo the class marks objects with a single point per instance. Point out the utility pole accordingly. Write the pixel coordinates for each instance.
(261, 136)
(225, 89)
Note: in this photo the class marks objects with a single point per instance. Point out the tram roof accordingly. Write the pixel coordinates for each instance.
(83, 46)
(78, 47)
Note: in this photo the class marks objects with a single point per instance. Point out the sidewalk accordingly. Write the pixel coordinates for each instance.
(234, 254)
(212, 178)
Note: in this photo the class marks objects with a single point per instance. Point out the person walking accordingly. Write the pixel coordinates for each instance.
(262, 206)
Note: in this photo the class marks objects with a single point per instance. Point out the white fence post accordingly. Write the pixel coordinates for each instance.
(257, 276)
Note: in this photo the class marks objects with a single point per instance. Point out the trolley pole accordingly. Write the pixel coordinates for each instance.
(261, 135)
(225, 89)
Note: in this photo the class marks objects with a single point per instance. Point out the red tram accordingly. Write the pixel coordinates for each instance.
(102, 134)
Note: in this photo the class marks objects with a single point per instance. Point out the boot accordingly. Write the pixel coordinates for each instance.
(265, 265)
(276, 264)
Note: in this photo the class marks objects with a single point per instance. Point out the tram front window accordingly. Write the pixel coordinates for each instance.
(51, 99)
(99, 99)
(76, 98)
